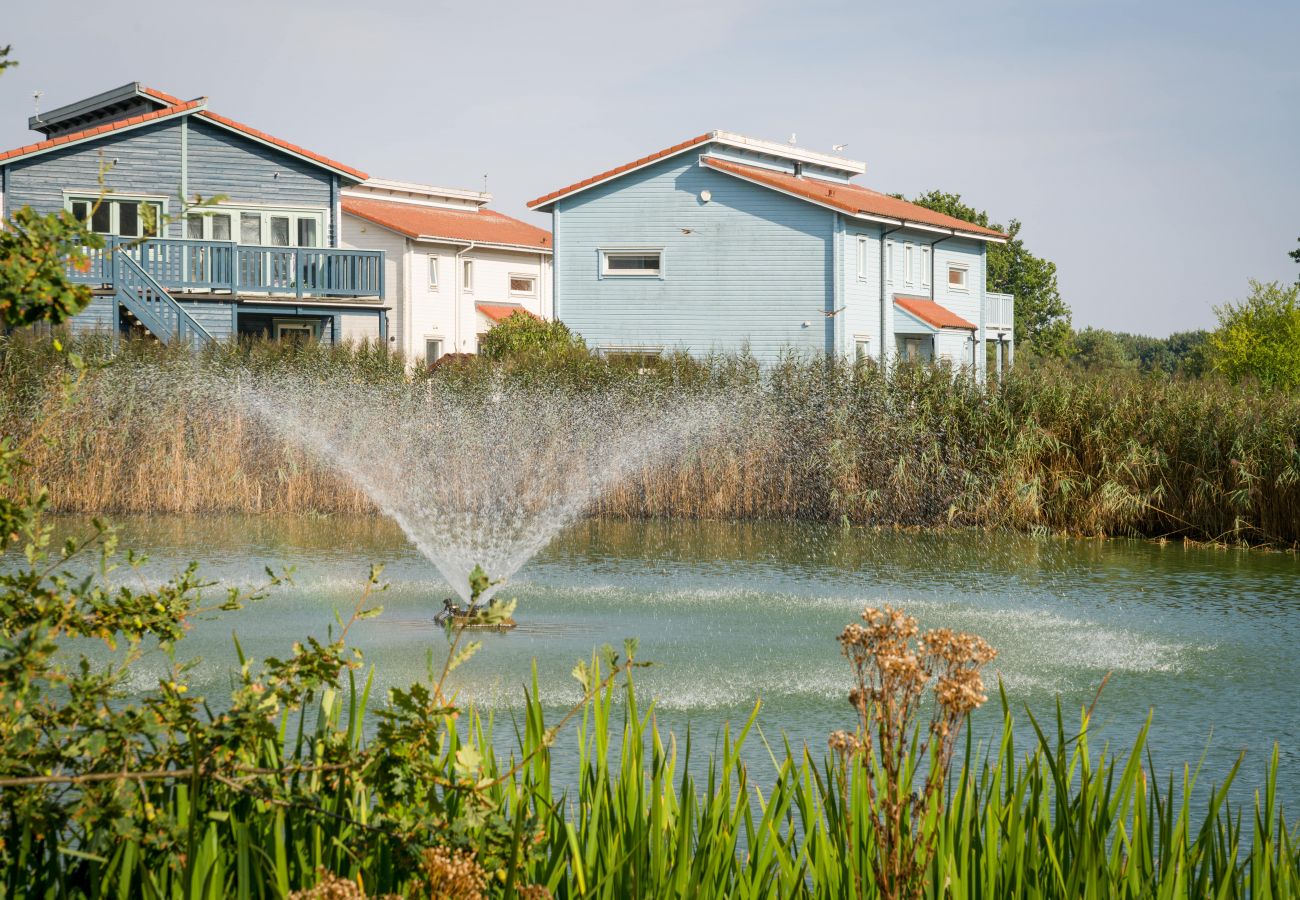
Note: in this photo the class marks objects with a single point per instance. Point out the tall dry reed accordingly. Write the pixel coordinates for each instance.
(811, 439)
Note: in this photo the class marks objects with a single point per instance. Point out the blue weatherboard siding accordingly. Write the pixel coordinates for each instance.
(222, 162)
(746, 269)
(144, 160)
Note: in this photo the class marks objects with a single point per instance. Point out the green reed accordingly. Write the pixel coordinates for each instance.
(1055, 818)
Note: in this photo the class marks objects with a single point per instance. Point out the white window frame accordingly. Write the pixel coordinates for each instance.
(266, 213)
(532, 279)
(442, 343)
(925, 267)
(889, 262)
(278, 326)
(91, 198)
(864, 245)
(467, 275)
(909, 264)
(964, 287)
(433, 273)
(607, 252)
(861, 347)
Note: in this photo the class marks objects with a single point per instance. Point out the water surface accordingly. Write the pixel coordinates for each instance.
(734, 613)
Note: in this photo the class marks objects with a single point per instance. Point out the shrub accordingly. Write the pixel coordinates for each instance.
(1259, 338)
(521, 334)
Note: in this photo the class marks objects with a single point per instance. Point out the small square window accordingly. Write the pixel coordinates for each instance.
(957, 278)
(631, 263)
(523, 284)
(433, 273)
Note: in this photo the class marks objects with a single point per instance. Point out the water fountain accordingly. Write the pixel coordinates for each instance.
(484, 475)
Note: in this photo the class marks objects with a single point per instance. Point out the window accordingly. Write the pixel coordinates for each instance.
(432, 348)
(278, 227)
(631, 263)
(250, 228)
(861, 348)
(279, 231)
(297, 331)
(433, 272)
(909, 276)
(118, 217)
(523, 285)
(641, 359)
(889, 264)
(925, 267)
(956, 277)
(864, 248)
(467, 276)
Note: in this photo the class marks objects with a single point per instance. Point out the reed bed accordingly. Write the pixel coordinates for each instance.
(1048, 448)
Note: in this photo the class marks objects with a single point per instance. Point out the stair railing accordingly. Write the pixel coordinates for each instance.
(150, 303)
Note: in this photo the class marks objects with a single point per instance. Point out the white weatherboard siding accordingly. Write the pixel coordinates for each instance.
(447, 312)
(747, 269)
(357, 233)
(358, 328)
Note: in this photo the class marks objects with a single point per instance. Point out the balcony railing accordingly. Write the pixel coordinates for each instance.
(206, 266)
(999, 312)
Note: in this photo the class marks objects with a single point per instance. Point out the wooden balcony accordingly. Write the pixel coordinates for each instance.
(319, 273)
(999, 316)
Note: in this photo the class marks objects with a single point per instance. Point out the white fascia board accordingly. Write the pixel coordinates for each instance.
(411, 187)
(758, 145)
(939, 229)
(410, 201)
(274, 146)
(103, 134)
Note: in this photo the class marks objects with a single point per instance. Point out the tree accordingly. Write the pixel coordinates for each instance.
(523, 334)
(1260, 337)
(1042, 316)
(1099, 350)
(1295, 254)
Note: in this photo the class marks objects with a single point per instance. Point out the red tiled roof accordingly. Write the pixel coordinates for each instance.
(932, 313)
(499, 312)
(850, 198)
(161, 96)
(619, 170)
(101, 129)
(175, 107)
(482, 226)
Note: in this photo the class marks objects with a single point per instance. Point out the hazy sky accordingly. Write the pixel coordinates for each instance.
(1152, 149)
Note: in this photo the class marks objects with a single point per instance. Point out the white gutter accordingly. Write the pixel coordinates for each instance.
(460, 288)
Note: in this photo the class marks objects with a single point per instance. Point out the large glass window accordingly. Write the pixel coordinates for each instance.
(220, 224)
(250, 228)
(306, 232)
(279, 231)
(117, 216)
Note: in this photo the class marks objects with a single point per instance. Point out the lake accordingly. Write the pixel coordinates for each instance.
(734, 613)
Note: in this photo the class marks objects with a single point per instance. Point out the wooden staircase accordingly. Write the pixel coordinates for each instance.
(142, 300)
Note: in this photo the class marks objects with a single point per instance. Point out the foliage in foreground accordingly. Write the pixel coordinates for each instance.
(1259, 338)
(283, 788)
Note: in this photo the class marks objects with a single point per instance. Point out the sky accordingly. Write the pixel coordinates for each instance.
(1151, 149)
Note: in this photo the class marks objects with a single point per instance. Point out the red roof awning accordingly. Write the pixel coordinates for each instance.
(932, 313)
(499, 312)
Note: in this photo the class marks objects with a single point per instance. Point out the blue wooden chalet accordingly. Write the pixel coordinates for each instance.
(264, 259)
(726, 242)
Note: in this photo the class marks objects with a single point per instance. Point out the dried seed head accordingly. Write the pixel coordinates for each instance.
(452, 874)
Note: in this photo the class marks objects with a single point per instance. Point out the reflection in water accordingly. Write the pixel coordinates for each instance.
(734, 613)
